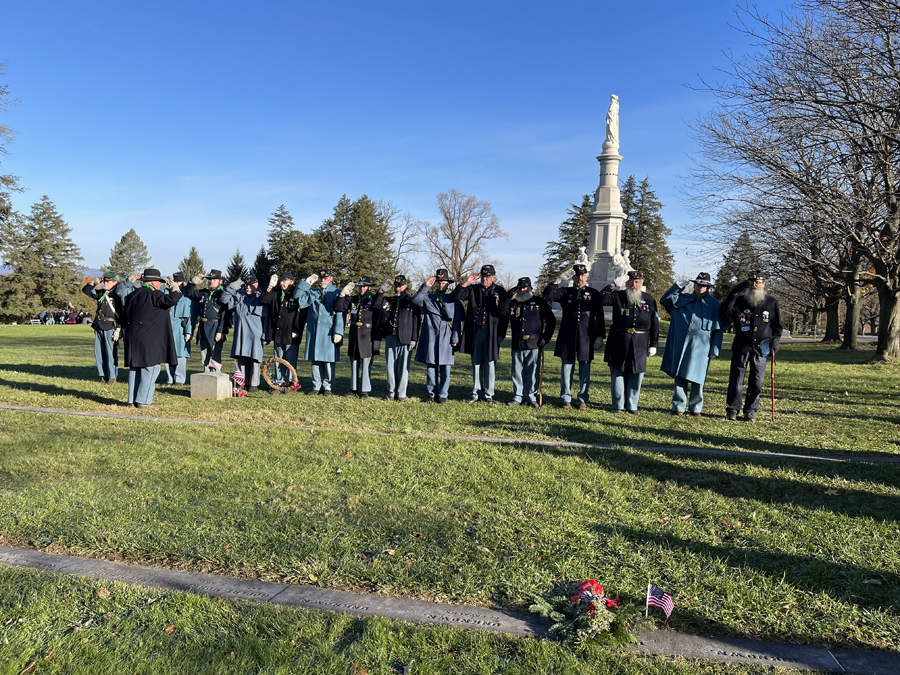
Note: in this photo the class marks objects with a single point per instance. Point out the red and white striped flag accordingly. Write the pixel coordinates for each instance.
(657, 597)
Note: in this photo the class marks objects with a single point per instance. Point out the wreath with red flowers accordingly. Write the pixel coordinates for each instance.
(588, 615)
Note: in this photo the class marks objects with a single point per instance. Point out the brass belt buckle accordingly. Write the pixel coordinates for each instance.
(526, 337)
(630, 330)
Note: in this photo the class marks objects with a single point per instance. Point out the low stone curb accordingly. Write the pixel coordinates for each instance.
(481, 439)
(731, 650)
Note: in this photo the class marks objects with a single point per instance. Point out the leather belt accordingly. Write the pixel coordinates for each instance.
(205, 320)
(526, 337)
(633, 331)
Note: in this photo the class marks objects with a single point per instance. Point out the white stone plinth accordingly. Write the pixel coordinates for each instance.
(216, 386)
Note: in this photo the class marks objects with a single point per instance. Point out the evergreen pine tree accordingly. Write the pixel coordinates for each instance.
(371, 243)
(237, 268)
(46, 265)
(192, 264)
(262, 266)
(740, 260)
(129, 256)
(644, 235)
(329, 244)
(573, 233)
(286, 243)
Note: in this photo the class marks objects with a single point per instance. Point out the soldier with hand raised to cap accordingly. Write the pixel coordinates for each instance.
(533, 323)
(484, 327)
(106, 325)
(441, 322)
(633, 336)
(213, 317)
(757, 333)
(324, 328)
(251, 317)
(581, 331)
(182, 319)
(148, 334)
(399, 323)
(361, 315)
(286, 323)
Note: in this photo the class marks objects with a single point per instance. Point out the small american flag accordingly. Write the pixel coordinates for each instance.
(657, 597)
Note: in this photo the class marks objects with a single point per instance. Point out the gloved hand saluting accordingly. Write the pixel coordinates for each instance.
(348, 289)
(683, 282)
(97, 280)
(173, 286)
(565, 276)
(688, 288)
(312, 278)
(336, 339)
(273, 281)
(386, 286)
(134, 277)
(196, 279)
(236, 284)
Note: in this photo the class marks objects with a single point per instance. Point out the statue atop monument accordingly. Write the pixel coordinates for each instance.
(583, 258)
(621, 266)
(612, 124)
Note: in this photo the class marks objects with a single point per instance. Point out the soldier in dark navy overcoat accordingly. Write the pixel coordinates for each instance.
(361, 312)
(532, 322)
(213, 317)
(399, 323)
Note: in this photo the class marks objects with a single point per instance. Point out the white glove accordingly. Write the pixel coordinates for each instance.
(173, 286)
(412, 345)
(236, 284)
(96, 281)
(196, 279)
(134, 277)
(218, 337)
(336, 339)
(348, 289)
(565, 276)
(683, 282)
(312, 278)
(598, 343)
(689, 288)
(713, 356)
(273, 280)
(376, 347)
(116, 333)
(386, 286)
(651, 351)
(187, 338)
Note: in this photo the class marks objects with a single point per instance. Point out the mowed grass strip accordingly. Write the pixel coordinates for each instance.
(51, 623)
(829, 402)
(806, 553)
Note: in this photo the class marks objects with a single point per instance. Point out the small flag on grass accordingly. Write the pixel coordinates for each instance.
(657, 597)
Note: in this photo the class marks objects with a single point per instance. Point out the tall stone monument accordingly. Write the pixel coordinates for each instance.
(605, 244)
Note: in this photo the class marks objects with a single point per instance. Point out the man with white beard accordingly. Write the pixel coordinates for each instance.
(757, 333)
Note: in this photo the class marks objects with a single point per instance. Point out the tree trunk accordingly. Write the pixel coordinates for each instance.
(852, 299)
(888, 323)
(832, 320)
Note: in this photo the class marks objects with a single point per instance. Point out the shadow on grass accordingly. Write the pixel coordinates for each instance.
(842, 582)
(53, 390)
(55, 370)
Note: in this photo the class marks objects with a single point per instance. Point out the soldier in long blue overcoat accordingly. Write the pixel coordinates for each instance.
(324, 328)
(694, 339)
(250, 322)
(182, 317)
(441, 320)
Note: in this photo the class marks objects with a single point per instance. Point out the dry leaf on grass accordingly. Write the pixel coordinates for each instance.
(102, 593)
(170, 629)
(29, 668)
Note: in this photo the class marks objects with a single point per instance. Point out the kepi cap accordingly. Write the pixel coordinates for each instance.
(634, 274)
(178, 276)
(215, 274)
(325, 272)
(580, 269)
(364, 281)
(523, 283)
(488, 271)
(756, 276)
(400, 280)
(284, 276)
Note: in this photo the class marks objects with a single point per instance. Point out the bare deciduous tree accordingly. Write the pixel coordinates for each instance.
(458, 241)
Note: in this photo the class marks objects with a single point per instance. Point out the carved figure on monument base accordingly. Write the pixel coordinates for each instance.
(583, 258)
(621, 266)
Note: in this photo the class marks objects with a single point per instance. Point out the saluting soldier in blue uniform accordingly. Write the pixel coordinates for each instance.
(533, 323)
(213, 316)
(182, 318)
(441, 319)
(324, 328)
(286, 323)
(251, 317)
(399, 323)
(581, 331)
(633, 336)
(107, 325)
(362, 317)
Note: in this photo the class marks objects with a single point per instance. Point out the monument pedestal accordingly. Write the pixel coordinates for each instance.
(606, 220)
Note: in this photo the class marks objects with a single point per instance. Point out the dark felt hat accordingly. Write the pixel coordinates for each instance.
(215, 274)
(756, 276)
(400, 280)
(364, 281)
(703, 279)
(488, 271)
(285, 276)
(151, 274)
(325, 272)
(443, 275)
(523, 283)
(634, 274)
(250, 279)
(580, 269)
(178, 276)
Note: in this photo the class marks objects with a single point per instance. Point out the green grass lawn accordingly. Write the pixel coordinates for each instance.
(792, 551)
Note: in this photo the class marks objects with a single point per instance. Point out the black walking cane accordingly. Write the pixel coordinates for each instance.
(773, 385)
(541, 381)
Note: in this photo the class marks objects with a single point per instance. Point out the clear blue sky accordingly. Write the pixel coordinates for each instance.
(192, 121)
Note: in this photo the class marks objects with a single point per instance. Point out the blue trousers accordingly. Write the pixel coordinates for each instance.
(526, 364)
(584, 380)
(482, 366)
(432, 382)
(625, 389)
(361, 375)
(289, 354)
(322, 375)
(177, 374)
(680, 395)
(398, 356)
(142, 384)
(106, 352)
(208, 351)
